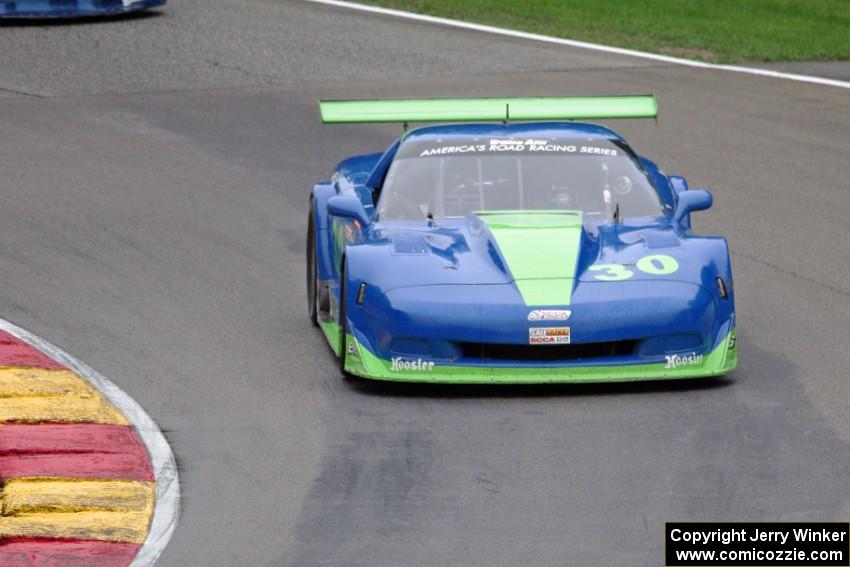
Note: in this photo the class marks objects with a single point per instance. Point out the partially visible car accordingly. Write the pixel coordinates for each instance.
(72, 8)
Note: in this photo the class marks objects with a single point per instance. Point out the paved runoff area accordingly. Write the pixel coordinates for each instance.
(155, 181)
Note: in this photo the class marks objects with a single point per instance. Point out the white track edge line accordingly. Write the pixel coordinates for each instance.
(582, 44)
(167, 507)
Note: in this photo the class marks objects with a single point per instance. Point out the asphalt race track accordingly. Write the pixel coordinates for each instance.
(154, 177)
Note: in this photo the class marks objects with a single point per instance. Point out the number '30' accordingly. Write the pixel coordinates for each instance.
(656, 264)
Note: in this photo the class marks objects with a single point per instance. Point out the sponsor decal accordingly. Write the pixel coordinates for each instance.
(461, 149)
(508, 145)
(352, 348)
(536, 145)
(549, 315)
(732, 341)
(677, 360)
(397, 363)
(549, 336)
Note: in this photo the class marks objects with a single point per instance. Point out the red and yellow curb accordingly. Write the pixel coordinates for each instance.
(76, 482)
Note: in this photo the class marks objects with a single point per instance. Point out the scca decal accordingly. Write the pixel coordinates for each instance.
(549, 335)
(656, 265)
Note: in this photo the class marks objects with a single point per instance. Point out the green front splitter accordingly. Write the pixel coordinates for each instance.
(366, 365)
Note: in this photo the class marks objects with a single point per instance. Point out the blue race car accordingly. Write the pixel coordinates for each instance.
(71, 8)
(514, 245)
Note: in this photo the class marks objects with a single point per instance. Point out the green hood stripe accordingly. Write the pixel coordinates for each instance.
(541, 249)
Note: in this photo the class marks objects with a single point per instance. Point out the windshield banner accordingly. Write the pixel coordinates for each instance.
(498, 146)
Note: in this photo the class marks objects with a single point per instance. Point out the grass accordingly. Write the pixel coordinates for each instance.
(720, 31)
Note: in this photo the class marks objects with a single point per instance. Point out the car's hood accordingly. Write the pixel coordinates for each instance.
(546, 255)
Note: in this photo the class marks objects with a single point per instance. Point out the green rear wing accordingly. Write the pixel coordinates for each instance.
(488, 109)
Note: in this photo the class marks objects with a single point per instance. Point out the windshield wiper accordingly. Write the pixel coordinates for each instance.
(617, 219)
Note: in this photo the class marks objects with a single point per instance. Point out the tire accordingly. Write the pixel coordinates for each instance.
(343, 324)
(312, 271)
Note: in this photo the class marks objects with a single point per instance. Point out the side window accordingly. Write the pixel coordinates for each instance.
(631, 190)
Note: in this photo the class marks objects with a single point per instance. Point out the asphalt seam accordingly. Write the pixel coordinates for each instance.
(22, 93)
(447, 22)
(167, 509)
(826, 286)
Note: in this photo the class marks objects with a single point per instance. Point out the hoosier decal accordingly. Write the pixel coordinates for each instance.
(397, 363)
(677, 360)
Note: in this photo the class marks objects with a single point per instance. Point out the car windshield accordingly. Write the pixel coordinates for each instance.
(454, 178)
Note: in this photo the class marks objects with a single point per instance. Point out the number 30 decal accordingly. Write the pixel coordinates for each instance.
(611, 272)
(656, 265)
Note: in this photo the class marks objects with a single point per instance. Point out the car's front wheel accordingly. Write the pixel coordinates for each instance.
(312, 271)
(343, 319)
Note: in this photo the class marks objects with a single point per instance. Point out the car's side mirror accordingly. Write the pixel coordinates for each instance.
(348, 207)
(679, 183)
(690, 201)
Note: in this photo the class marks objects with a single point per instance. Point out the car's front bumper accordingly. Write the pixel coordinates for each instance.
(361, 362)
(36, 9)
